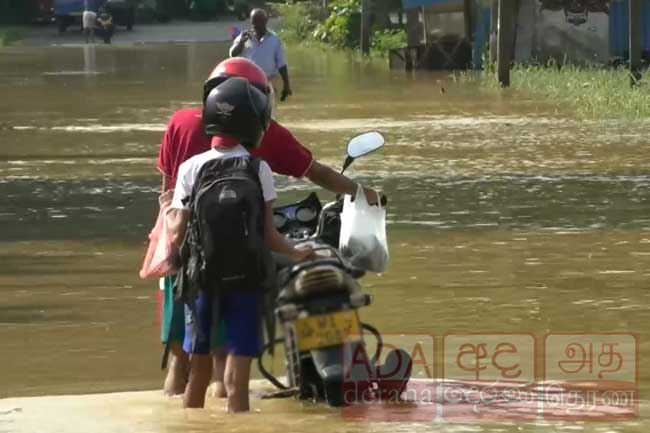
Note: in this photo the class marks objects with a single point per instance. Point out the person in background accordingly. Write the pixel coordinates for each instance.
(184, 138)
(105, 22)
(89, 20)
(264, 48)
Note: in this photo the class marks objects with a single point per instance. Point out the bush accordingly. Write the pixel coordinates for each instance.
(8, 36)
(299, 20)
(386, 40)
(339, 26)
(342, 27)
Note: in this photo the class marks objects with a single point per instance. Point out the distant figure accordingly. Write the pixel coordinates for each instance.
(89, 20)
(264, 48)
(105, 25)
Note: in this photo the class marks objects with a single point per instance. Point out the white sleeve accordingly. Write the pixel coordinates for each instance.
(183, 187)
(266, 179)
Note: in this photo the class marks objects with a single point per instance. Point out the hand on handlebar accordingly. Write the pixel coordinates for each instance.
(303, 254)
(375, 197)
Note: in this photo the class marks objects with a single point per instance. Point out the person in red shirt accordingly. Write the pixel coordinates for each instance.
(184, 138)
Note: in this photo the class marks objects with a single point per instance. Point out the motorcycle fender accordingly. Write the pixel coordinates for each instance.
(345, 363)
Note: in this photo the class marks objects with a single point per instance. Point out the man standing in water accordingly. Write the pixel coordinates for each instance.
(265, 49)
(89, 20)
(185, 138)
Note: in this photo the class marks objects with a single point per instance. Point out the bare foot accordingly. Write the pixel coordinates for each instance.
(176, 378)
(217, 390)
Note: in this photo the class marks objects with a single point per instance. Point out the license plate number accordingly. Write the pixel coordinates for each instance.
(325, 330)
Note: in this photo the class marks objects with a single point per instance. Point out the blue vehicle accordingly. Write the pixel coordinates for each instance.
(68, 12)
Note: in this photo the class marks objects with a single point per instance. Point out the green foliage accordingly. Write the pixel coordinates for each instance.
(299, 20)
(342, 27)
(339, 26)
(388, 39)
(9, 36)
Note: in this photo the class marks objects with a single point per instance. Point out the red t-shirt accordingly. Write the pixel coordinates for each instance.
(184, 138)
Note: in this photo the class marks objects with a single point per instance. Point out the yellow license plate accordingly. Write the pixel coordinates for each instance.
(324, 330)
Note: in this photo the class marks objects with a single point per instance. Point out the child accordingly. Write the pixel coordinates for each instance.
(236, 114)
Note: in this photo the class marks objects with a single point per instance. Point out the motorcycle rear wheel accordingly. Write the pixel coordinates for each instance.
(334, 394)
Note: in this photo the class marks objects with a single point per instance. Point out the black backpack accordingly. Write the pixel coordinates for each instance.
(224, 247)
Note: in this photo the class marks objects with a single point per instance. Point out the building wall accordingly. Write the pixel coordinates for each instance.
(577, 32)
(573, 31)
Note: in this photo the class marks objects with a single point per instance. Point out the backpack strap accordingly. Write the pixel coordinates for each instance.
(269, 297)
(254, 163)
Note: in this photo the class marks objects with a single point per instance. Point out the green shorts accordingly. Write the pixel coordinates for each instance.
(172, 323)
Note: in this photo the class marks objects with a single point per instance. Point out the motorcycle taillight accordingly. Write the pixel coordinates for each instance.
(320, 279)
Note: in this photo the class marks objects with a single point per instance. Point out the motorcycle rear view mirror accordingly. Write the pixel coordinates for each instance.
(361, 145)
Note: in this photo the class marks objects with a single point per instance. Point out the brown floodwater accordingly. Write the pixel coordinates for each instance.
(506, 215)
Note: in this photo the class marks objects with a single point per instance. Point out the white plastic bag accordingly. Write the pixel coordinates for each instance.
(363, 233)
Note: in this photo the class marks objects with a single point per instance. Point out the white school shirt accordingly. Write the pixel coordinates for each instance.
(268, 53)
(189, 169)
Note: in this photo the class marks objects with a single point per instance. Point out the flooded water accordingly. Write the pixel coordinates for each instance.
(505, 216)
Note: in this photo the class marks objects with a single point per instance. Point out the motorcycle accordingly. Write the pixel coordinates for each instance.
(318, 306)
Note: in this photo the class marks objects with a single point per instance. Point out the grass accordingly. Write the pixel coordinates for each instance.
(9, 35)
(591, 92)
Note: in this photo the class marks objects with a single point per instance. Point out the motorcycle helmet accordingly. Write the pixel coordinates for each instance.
(238, 109)
(236, 67)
